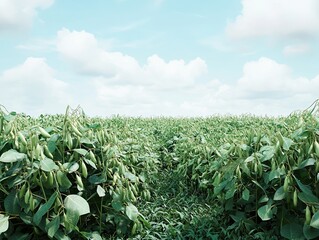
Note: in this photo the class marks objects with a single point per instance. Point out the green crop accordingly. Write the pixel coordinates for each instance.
(224, 177)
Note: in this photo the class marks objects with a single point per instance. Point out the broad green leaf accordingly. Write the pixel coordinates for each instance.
(81, 151)
(267, 152)
(279, 194)
(287, 142)
(310, 232)
(71, 166)
(76, 203)
(308, 199)
(230, 192)
(246, 194)
(130, 176)
(305, 189)
(292, 231)
(72, 218)
(306, 163)
(12, 156)
(315, 220)
(97, 179)
(51, 146)
(44, 209)
(11, 203)
(131, 212)
(48, 165)
(4, 223)
(63, 180)
(89, 162)
(265, 212)
(53, 226)
(274, 174)
(117, 202)
(100, 191)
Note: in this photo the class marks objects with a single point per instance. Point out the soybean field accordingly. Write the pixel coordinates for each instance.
(244, 177)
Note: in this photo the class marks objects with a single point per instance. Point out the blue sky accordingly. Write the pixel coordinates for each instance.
(159, 57)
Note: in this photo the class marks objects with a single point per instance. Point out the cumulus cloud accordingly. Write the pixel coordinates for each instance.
(17, 14)
(32, 88)
(273, 18)
(122, 85)
(265, 78)
(83, 51)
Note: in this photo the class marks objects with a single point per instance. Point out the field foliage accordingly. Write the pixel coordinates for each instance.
(223, 177)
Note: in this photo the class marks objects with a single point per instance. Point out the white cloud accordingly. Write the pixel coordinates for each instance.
(19, 14)
(83, 51)
(121, 85)
(273, 18)
(32, 88)
(296, 49)
(265, 78)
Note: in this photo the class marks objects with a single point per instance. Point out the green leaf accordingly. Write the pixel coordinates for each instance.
(130, 176)
(63, 180)
(44, 209)
(12, 156)
(292, 231)
(304, 188)
(81, 151)
(131, 212)
(100, 191)
(265, 212)
(273, 174)
(4, 223)
(308, 199)
(72, 217)
(51, 146)
(76, 203)
(287, 142)
(53, 226)
(306, 163)
(71, 166)
(48, 165)
(315, 220)
(11, 203)
(117, 203)
(279, 194)
(89, 162)
(245, 194)
(310, 232)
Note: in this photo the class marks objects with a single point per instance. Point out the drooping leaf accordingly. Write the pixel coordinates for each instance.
(308, 199)
(100, 191)
(130, 176)
(315, 220)
(11, 203)
(44, 209)
(4, 223)
(265, 212)
(12, 156)
(279, 194)
(131, 212)
(71, 166)
(306, 163)
(76, 203)
(48, 165)
(292, 231)
(53, 226)
(246, 194)
(287, 142)
(310, 232)
(81, 151)
(63, 180)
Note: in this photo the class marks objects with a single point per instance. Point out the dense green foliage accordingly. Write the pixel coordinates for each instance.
(70, 177)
